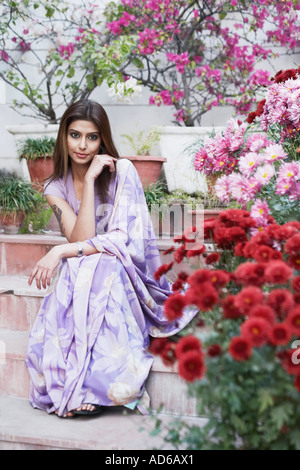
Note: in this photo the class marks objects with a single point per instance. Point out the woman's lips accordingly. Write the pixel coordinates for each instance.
(81, 155)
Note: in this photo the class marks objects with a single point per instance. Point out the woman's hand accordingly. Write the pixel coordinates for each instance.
(46, 268)
(97, 165)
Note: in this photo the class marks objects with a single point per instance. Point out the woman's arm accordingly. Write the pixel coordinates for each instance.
(82, 226)
(47, 266)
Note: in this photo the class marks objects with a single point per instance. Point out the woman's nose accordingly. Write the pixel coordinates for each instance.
(82, 143)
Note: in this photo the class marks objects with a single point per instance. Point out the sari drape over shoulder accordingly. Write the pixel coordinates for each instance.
(89, 343)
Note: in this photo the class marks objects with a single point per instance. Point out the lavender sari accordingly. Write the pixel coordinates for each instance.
(89, 341)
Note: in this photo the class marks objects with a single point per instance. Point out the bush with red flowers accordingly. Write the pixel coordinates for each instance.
(241, 360)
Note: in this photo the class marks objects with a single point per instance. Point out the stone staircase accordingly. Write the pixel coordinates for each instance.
(21, 427)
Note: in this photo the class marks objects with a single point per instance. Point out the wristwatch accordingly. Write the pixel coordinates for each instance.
(80, 249)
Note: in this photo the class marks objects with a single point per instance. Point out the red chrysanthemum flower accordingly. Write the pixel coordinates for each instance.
(157, 345)
(199, 276)
(263, 311)
(177, 285)
(294, 261)
(179, 254)
(296, 298)
(197, 250)
(204, 296)
(174, 306)
(230, 310)
(163, 269)
(182, 276)
(296, 283)
(257, 330)
(208, 228)
(219, 278)
(168, 354)
(283, 232)
(281, 300)
(251, 117)
(248, 297)
(263, 253)
(191, 366)
(277, 272)
(169, 250)
(292, 246)
(293, 320)
(240, 348)
(187, 343)
(297, 382)
(290, 361)
(280, 334)
(239, 249)
(212, 258)
(250, 273)
(214, 350)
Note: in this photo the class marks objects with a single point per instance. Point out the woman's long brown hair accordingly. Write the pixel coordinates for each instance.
(85, 110)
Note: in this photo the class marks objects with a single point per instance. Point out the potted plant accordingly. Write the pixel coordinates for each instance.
(38, 155)
(257, 163)
(17, 198)
(37, 219)
(148, 167)
(240, 355)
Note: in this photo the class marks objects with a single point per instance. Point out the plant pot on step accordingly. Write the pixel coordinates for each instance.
(39, 170)
(11, 222)
(148, 167)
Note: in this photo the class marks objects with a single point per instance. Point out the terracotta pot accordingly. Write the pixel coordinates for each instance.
(39, 170)
(148, 167)
(11, 223)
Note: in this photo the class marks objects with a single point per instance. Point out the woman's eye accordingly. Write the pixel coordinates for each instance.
(74, 135)
(93, 137)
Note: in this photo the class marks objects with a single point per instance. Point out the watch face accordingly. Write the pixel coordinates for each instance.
(80, 249)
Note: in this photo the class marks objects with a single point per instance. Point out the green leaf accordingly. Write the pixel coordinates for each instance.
(265, 399)
(280, 415)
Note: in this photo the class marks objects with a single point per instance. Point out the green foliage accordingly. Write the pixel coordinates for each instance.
(16, 194)
(32, 148)
(154, 192)
(247, 405)
(142, 142)
(37, 218)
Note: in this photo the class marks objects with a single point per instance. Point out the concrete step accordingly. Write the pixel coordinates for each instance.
(20, 253)
(165, 387)
(23, 428)
(19, 303)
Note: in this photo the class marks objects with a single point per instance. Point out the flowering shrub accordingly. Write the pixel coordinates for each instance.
(198, 55)
(260, 160)
(42, 54)
(241, 360)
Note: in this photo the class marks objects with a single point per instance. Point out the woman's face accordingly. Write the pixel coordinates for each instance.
(83, 140)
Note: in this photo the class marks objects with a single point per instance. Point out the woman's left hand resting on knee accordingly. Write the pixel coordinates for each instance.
(45, 269)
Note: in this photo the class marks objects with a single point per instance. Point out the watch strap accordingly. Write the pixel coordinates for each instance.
(80, 249)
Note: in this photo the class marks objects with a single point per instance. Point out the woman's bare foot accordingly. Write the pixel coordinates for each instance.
(66, 415)
(86, 407)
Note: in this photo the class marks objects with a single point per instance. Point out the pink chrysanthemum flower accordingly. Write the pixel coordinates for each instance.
(248, 163)
(274, 152)
(222, 188)
(264, 173)
(257, 141)
(260, 211)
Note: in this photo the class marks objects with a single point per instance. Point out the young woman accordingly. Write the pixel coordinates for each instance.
(88, 345)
